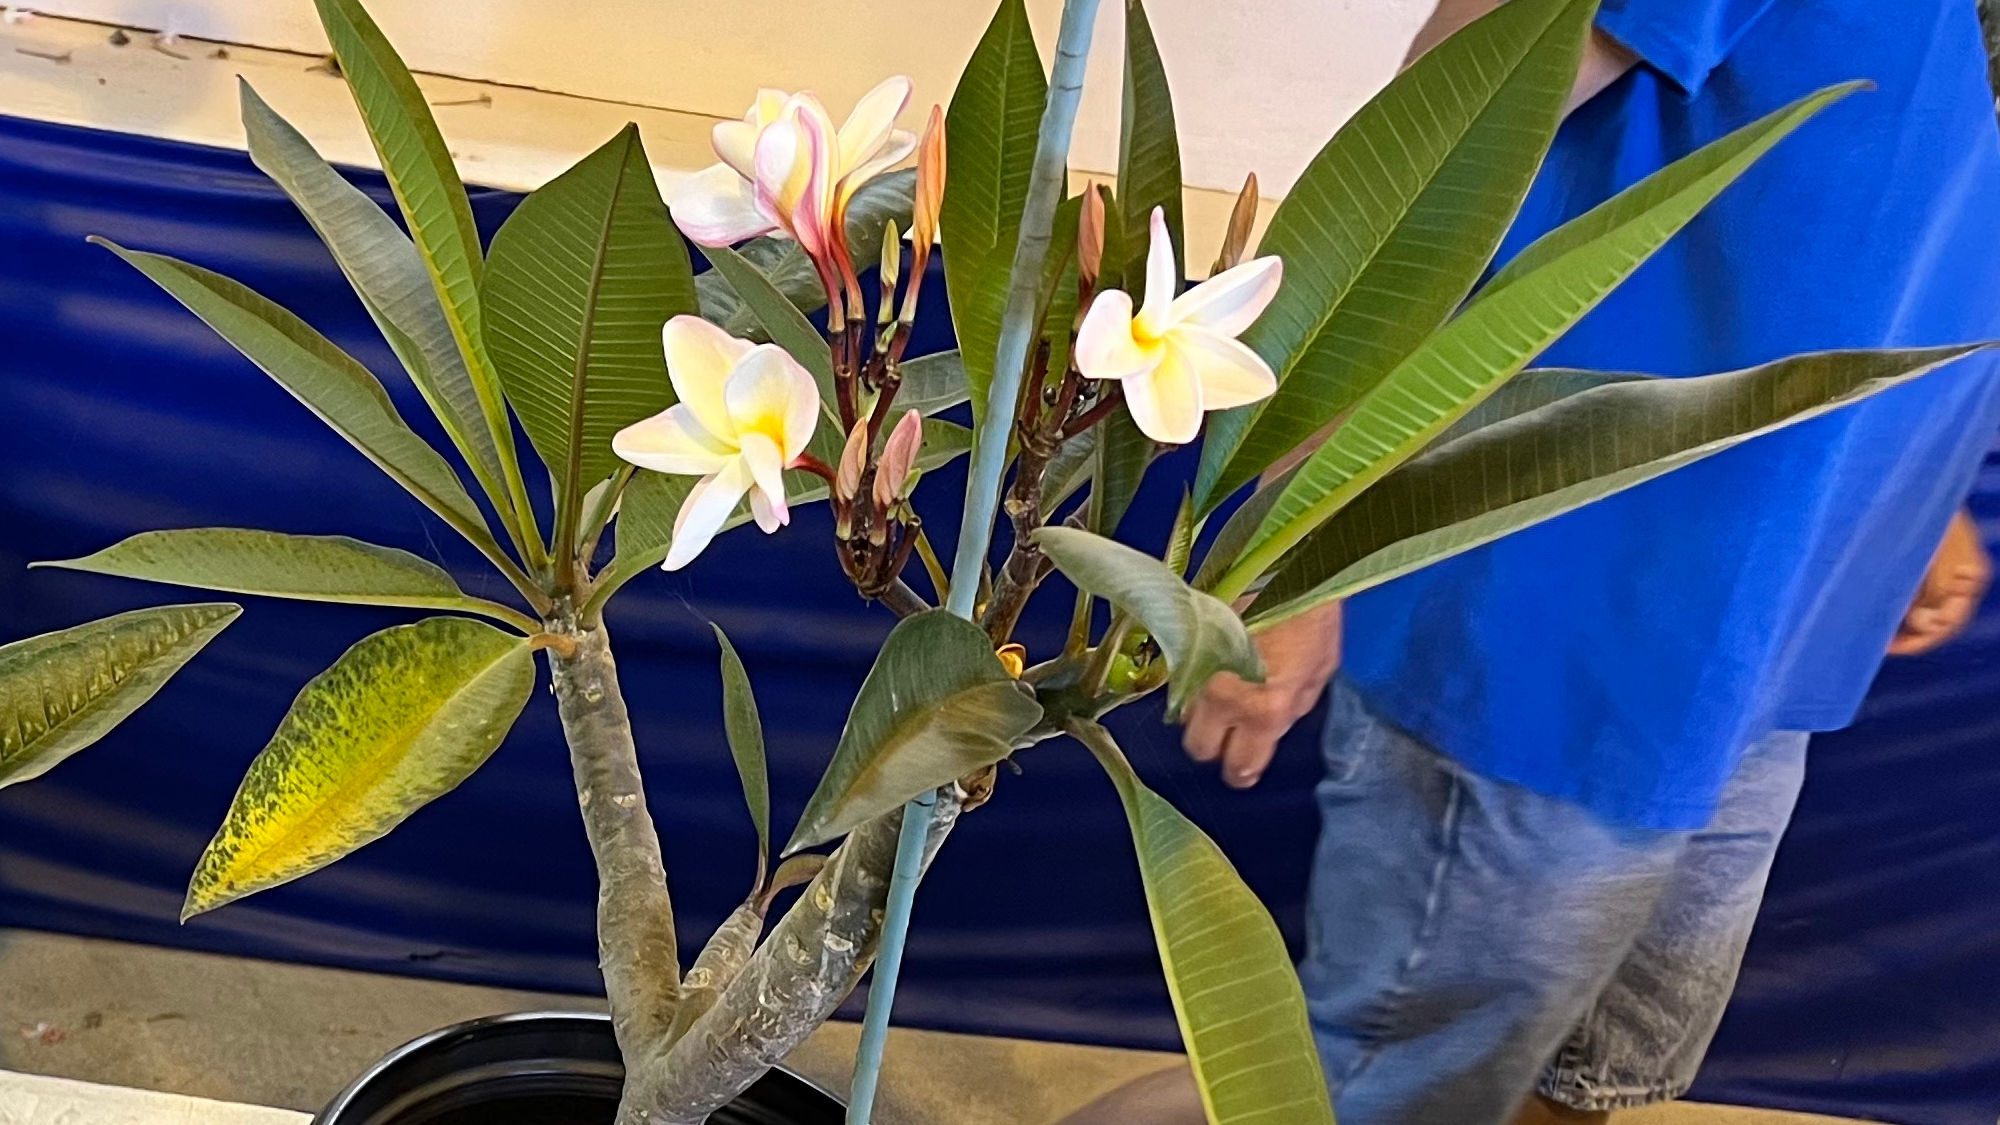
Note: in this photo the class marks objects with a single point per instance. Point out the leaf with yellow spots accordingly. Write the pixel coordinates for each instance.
(398, 721)
(60, 692)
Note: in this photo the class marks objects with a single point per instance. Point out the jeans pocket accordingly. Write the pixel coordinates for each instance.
(1353, 737)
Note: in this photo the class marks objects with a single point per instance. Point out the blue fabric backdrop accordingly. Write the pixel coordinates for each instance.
(1871, 987)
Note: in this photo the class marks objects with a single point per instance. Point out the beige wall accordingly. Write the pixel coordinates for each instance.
(1259, 84)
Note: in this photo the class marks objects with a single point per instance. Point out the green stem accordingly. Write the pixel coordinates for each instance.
(982, 490)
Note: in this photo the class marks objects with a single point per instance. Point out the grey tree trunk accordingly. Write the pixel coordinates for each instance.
(765, 1005)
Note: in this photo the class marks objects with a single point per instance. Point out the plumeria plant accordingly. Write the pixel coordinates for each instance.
(1358, 376)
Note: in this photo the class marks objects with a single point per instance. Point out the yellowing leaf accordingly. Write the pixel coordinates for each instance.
(60, 692)
(398, 721)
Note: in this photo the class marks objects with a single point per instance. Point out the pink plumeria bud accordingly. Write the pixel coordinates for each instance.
(746, 414)
(853, 461)
(1090, 237)
(899, 460)
(1178, 357)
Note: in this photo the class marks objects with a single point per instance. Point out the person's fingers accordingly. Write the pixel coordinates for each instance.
(1206, 734)
(1249, 753)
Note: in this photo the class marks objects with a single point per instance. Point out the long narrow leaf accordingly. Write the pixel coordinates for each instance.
(426, 184)
(1500, 332)
(329, 381)
(1242, 1012)
(1517, 472)
(318, 568)
(1390, 225)
(582, 277)
(990, 132)
(993, 434)
(745, 730)
(62, 691)
(389, 276)
(1149, 153)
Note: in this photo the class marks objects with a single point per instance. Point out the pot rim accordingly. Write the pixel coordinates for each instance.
(354, 1089)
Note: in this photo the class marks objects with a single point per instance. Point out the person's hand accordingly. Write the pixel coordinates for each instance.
(1238, 724)
(1953, 586)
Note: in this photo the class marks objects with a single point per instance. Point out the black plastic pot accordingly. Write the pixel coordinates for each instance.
(537, 1068)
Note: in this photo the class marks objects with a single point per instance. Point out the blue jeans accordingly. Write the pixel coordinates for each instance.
(1472, 941)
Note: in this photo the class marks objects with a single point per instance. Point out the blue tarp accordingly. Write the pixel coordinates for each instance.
(1872, 986)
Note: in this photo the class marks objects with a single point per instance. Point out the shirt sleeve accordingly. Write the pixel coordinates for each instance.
(1683, 39)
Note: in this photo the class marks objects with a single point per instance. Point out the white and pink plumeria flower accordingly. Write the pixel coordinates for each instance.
(1179, 357)
(745, 415)
(786, 169)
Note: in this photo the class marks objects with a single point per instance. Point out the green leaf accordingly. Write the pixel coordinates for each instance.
(388, 274)
(990, 132)
(1563, 454)
(1123, 456)
(1072, 467)
(745, 729)
(398, 721)
(318, 568)
(1236, 531)
(878, 201)
(1390, 225)
(1503, 329)
(425, 182)
(1241, 1010)
(936, 706)
(782, 322)
(1200, 635)
(646, 513)
(933, 383)
(329, 381)
(1149, 152)
(62, 691)
(581, 278)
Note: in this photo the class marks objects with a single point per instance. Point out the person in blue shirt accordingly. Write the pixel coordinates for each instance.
(1558, 766)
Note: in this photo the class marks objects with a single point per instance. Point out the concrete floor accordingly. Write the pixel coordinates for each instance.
(273, 1034)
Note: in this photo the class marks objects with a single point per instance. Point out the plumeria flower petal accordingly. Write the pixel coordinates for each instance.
(672, 441)
(746, 414)
(786, 168)
(1166, 401)
(1107, 344)
(708, 506)
(1229, 373)
(1162, 278)
(700, 360)
(1179, 357)
(1230, 302)
(717, 207)
(871, 127)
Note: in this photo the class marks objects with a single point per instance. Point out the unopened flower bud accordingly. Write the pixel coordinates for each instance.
(924, 209)
(1236, 237)
(899, 460)
(930, 181)
(853, 459)
(1014, 658)
(892, 265)
(1090, 237)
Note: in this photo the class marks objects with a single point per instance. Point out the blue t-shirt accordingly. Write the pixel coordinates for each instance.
(1622, 655)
